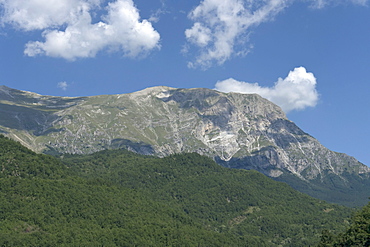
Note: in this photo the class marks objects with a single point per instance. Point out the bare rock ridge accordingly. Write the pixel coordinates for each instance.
(237, 130)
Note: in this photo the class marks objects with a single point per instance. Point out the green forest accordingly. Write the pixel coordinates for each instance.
(357, 234)
(119, 198)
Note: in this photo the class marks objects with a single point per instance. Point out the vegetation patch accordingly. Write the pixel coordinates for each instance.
(119, 198)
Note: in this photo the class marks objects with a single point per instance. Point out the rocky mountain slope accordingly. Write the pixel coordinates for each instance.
(237, 130)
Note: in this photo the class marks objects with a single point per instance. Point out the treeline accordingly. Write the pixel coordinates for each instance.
(118, 198)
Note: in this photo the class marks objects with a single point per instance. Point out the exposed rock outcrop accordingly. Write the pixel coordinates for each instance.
(238, 130)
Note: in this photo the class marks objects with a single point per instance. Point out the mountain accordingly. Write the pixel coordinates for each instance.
(120, 198)
(242, 131)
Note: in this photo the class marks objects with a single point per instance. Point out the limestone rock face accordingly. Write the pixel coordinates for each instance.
(237, 130)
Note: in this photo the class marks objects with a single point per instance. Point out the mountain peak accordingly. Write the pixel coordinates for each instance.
(5, 91)
(238, 130)
(152, 90)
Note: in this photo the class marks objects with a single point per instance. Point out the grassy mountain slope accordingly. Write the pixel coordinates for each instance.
(118, 198)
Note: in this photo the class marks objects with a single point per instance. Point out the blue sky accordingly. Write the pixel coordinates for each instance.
(311, 57)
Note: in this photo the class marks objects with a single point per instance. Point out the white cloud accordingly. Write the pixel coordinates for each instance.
(220, 30)
(296, 92)
(40, 14)
(220, 24)
(120, 30)
(63, 85)
(221, 27)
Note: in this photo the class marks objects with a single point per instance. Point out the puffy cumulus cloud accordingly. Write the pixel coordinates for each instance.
(220, 24)
(296, 92)
(120, 29)
(40, 14)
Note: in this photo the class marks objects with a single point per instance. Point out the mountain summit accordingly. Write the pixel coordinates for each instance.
(238, 130)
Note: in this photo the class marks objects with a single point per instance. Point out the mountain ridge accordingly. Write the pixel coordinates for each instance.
(237, 130)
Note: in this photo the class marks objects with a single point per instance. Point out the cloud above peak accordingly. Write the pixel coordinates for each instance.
(296, 92)
(70, 34)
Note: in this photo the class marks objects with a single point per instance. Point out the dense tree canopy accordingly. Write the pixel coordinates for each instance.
(357, 234)
(118, 198)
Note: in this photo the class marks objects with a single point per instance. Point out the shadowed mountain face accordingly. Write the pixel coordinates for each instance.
(237, 130)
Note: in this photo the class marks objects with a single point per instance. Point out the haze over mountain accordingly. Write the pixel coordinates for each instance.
(238, 130)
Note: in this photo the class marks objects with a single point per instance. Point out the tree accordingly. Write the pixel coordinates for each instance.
(357, 234)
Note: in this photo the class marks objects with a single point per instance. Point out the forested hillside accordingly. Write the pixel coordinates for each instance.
(118, 198)
(357, 234)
